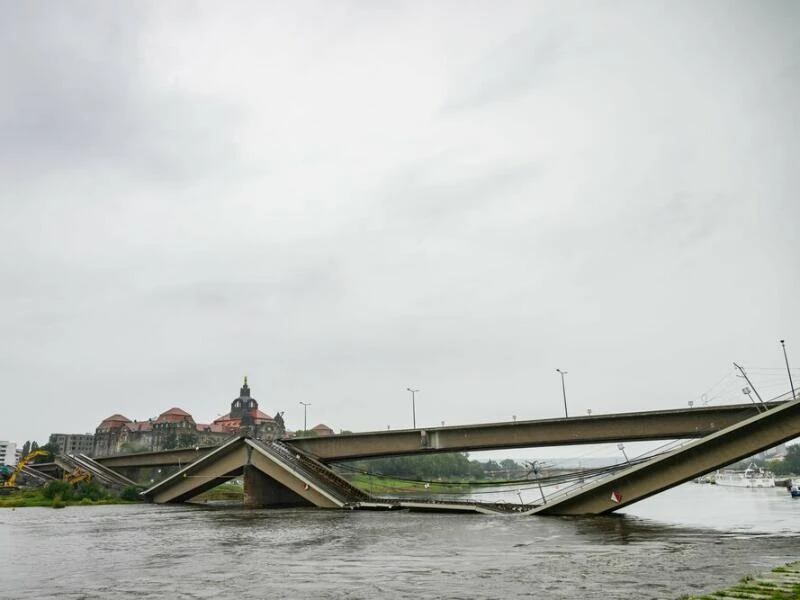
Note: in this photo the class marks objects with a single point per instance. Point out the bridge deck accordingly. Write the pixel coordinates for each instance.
(623, 427)
(77, 463)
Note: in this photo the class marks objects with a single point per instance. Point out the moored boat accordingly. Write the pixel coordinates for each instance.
(751, 477)
(794, 489)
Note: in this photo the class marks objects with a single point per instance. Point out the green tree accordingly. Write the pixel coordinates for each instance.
(491, 468)
(790, 465)
(89, 489)
(130, 493)
(58, 488)
(305, 433)
(51, 450)
(454, 465)
(509, 465)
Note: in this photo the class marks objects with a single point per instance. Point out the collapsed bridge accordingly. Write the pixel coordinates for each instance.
(279, 474)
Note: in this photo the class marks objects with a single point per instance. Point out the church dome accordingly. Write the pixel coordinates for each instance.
(174, 415)
(114, 422)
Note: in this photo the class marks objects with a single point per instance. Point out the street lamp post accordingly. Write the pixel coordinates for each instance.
(788, 370)
(752, 387)
(413, 406)
(563, 391)
(621, 447)
(747, 391)
(305, 415)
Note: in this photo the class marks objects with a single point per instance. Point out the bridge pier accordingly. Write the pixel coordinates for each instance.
(262, 491)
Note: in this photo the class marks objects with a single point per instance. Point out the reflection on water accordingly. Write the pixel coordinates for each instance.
(686, 541)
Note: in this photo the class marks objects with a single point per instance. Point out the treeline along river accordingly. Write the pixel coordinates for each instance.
(690, 540)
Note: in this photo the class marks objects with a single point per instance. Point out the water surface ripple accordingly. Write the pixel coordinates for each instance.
(689, 540)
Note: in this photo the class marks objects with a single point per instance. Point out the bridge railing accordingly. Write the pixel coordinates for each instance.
(613, 470)
(317, 472)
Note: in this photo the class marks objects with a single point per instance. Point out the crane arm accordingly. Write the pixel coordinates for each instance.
(12, 481)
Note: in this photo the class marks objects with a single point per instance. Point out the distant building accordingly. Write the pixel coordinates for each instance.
(175, 428)
(8, 453)
(776, 453)
(72, 443)
(322, 430)
(245, 414)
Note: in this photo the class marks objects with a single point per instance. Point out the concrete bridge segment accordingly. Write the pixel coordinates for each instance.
(273, 477)
(736, 442)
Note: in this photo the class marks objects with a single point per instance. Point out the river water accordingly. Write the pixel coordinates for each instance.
(689, 540)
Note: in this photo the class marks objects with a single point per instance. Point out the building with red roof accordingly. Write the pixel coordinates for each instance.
(176, 428)
(322, 430)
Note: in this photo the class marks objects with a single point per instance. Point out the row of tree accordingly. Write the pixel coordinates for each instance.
(29, 447)
(450, 465)
(457, 465)
(790, 465)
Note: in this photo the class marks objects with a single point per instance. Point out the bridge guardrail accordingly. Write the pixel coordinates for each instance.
(333, 484)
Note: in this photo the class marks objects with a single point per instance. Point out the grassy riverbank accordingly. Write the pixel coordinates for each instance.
(782, 583)
(226, 491)
(58, 494)
(387, 485)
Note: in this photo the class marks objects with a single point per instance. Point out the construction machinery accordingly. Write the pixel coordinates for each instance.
(76, 476)
(11, 482)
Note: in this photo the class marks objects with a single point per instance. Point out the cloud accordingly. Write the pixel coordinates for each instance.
(77, 94)
(519, 64)
(345, 201)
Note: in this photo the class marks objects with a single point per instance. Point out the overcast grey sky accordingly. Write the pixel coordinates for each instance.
(342, 200)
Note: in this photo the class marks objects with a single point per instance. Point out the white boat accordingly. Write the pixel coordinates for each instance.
(751, 477)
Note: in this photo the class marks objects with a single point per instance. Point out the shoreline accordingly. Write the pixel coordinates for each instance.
(781, 583)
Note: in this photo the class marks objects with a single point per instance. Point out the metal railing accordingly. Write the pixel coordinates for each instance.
(313, 470)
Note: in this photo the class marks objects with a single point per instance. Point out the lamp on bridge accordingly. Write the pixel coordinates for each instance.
(563, 391)
(621, 446)
(413, 406)
(788, 370)
(747, 391)
(305, 415)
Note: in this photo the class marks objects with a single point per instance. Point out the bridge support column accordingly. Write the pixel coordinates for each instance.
(262, 491)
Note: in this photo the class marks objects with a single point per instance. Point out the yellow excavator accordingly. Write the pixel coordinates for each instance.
(77, 476)
(11, 482)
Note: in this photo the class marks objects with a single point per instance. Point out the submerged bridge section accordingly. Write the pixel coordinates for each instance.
(753, 435)
(77, 467)
(278, 476)
(274, 476)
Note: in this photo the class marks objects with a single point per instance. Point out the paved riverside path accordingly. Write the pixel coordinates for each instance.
(782, 583)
